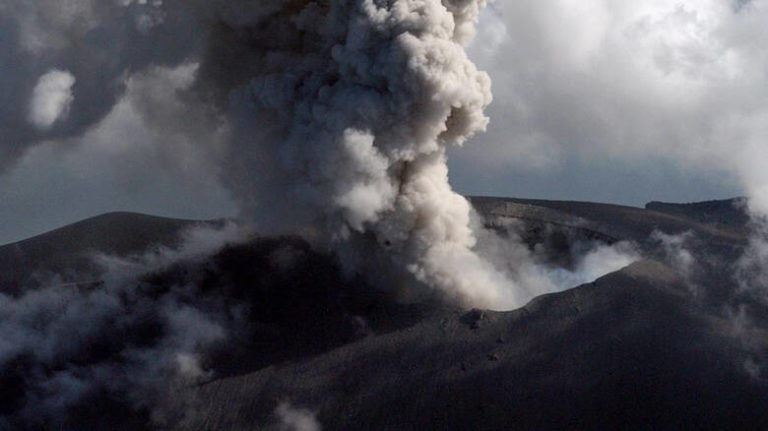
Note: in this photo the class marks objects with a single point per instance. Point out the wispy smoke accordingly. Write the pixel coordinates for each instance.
(676, 250)
(752, 267)
(295, 419)
(744, 327)
(601, 260)
(51, 98)
(728, 282)
(117, 338)
(536, 268)
(340, 115)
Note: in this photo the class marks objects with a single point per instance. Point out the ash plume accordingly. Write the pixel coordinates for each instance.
(342, 120)
(335, 117)
(329, 119)
(340, 115)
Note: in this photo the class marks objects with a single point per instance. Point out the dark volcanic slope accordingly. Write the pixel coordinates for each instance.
(619, 221)
(637, 349)
(67, 250)
(625, 352)
(648, 347)
(726, 212)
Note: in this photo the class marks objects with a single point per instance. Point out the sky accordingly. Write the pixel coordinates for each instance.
(621, 102)
(590, 99)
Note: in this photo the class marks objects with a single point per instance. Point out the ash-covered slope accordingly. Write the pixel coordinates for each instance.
(653, 346)
(726, 212)
(67, 251)
(628, 351)
(657, 345)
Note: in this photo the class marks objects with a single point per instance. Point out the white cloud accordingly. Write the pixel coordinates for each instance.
(51, 98)
(630, 82)
(296, 419)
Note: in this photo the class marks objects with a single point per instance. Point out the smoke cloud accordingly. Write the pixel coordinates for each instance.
(327, 119)
(51, 98)
(296, 419)
(343, 119)
(117, 337)
(536, 267)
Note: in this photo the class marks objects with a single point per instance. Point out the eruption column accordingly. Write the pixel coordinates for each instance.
(355, 103)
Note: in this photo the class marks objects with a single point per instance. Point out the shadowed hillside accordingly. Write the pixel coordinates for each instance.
(726, 212)
(628, 351)
(67, 251)
(652, 346)
(618, 221)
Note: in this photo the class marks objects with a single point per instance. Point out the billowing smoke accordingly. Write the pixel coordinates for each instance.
(339, 117)
(342, 119)
(114, 337)
(338, 114)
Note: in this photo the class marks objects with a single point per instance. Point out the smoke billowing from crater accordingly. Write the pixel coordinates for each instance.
(339, 115)
(342, 120)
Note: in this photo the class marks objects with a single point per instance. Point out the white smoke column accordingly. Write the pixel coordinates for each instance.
(51, 98)
(351, 107)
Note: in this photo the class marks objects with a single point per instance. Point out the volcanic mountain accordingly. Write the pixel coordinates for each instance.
(659, 344)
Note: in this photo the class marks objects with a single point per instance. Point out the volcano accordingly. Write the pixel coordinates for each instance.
(653, 345)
